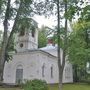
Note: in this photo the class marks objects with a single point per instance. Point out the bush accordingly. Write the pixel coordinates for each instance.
(35, 85)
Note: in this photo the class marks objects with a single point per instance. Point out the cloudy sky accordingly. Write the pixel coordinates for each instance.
(50, 22)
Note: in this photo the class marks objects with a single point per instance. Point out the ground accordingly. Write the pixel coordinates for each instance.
(65, 87)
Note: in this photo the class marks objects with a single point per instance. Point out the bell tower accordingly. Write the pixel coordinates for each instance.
(27, 38)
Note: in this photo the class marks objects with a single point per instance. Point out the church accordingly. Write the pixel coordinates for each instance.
(31, 62)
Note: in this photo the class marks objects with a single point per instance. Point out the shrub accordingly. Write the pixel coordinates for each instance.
(35, 85)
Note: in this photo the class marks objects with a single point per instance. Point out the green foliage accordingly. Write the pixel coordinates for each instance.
(35, 85)
(62, 36)
(79, 52)
(79, 8)
(10, 49)
(26, 24)
(85, 14)
(42, 37)
(45, 7)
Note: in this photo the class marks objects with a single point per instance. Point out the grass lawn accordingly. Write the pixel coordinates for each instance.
(10, 88)
(72, 87)
(65, 87)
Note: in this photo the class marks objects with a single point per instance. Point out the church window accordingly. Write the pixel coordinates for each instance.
(21, 45)
(51, 71)
(43, 70)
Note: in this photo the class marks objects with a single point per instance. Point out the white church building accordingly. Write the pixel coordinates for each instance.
(31, 62)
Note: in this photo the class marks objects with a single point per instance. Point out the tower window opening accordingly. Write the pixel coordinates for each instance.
(22, 32)
(33, 33)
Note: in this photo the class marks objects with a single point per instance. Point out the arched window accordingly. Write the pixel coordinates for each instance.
(43, 70)
(51, 71)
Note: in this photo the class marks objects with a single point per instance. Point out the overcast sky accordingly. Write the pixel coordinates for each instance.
(41, 20)
(50, 22)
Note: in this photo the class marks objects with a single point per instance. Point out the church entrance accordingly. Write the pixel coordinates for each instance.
(19, 74)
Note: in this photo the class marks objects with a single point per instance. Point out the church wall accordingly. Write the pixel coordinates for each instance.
(29, 63)
(33, 41)
(52, 61)
(48, 61)
(68, 73)
(8, 71)
(32, 64)
(17, 60)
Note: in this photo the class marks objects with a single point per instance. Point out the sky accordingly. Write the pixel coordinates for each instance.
(41, 20)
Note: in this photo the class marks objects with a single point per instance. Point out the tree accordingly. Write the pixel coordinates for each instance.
(71, 8)
(61, 64)
(42, 37)
(79, 53)
(12, 11)
(56, 5)
(2, 55)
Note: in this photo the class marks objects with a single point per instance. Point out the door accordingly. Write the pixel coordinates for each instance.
(19, 76)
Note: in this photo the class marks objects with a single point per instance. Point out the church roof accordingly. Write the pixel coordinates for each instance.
(49, 47)
(36, 50)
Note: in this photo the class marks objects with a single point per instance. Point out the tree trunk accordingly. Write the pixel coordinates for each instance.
(58, 50)
(4, 44)
(61, 64)
(65, 38)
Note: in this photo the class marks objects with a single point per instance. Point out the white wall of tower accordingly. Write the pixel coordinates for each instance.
(29, 42)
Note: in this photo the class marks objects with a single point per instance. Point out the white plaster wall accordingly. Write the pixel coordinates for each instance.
(17, 60)
(48, 61)
(29, 63)
(28, 41)
(68, 73)
(32, 67)
(33, 41)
